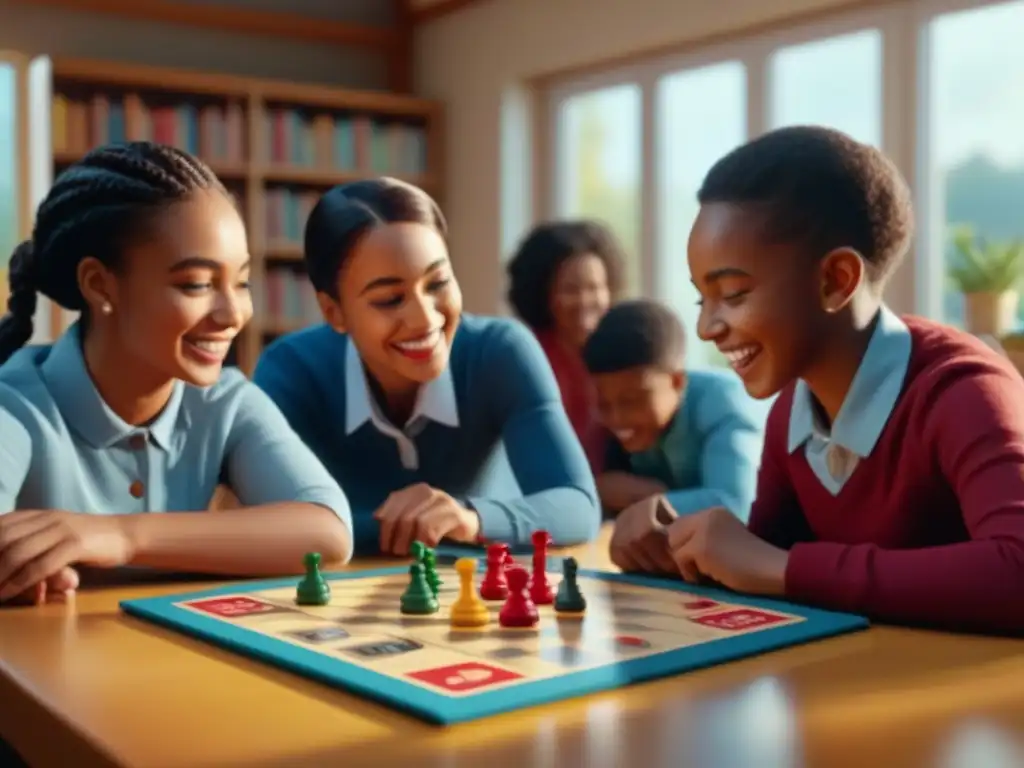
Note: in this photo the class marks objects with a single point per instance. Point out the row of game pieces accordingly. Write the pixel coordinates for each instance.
(314, 589)
(504, 580)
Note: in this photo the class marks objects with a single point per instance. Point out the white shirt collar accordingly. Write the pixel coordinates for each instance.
(435, 401)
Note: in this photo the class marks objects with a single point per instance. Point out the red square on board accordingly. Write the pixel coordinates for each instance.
(464, 677)
(232, 607)
(739, 619)
(699, 605)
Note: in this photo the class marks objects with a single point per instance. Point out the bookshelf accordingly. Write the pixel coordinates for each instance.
(276, 145)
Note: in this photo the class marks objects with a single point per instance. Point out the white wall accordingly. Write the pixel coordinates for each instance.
(477, 61)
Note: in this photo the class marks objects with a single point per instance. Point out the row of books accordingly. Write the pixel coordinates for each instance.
(287, 301)
(214, 132)
(217, 132)
(345, 143)
(286, 213)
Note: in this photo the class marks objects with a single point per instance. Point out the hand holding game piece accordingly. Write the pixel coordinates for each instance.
(569, 598)
(640, 537)
(519, 610)
(715, 544)
(313, 589)
(421, 512)
(418, 598)
(494, 585)
(39, 544)
(468, 610)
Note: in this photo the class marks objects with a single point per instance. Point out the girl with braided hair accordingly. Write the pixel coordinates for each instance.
(131, 411)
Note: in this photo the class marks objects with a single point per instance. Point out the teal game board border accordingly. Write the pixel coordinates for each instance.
(440, 709)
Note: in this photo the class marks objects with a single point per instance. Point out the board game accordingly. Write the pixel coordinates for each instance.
(366, 635)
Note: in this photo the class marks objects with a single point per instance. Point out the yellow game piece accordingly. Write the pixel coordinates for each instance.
(468, 610)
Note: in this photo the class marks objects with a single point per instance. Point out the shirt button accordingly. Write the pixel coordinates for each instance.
(137, 442)
(136, 489)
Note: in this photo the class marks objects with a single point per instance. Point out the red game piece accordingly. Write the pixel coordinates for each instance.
(518, 610)
(494, 585)
(510, 561)
(540, 587)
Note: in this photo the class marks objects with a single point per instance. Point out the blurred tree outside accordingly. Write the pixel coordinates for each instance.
(8, 174)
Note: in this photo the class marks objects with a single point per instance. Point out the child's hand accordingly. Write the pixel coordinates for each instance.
(37, 545)
(640, 538)
(422, 513)
(62, 584)
(716, 545)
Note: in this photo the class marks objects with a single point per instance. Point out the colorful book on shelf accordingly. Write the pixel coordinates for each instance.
(353, 144)
(215, 132)
(287, 212)
(288, 301)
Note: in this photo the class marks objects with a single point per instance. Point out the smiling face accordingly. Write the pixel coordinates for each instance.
(181, 294)
(761, 301)
(399, 302)
(580, 296)
(637, 404)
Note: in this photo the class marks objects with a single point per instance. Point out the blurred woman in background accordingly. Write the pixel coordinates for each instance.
(563, 278)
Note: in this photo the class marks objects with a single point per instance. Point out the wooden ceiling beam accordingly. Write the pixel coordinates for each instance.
(425, 13)
(234, 19)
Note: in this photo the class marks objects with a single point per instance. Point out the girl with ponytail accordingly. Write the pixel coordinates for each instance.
(131, 412)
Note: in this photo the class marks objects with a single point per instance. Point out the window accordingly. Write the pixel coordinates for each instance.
(9, 213)
(936, 84)
(702, 115)
(835, 82)
(975, 74)
(599, 165)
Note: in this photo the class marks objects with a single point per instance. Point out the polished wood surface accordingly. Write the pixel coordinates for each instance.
(83, 685)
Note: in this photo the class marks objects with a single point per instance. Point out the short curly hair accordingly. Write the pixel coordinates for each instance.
(531, 272)
(822, 189)
(635, 334)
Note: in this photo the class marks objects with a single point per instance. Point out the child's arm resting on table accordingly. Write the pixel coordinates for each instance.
(15, 456)
(618, 487)
(729, 456)
(559, 495)
(976, 427)
(290, 506)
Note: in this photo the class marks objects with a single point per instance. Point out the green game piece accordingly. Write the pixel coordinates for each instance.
(418, 597)
(418, 550)
(569, 599)
(313, 589)
(430, 571)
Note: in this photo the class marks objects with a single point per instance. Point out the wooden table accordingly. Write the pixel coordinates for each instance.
(81, 685)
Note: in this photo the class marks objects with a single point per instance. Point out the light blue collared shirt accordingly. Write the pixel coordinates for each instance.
(63, 448)
(709, 455)
(834, 454)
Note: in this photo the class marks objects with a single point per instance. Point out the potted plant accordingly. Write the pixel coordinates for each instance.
(988, 274)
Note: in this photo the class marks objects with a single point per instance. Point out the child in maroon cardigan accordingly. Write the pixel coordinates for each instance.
(892, 478)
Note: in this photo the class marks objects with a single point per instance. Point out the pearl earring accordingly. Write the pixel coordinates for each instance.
(106, 308)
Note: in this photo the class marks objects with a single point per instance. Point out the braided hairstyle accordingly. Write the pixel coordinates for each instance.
(96, 207)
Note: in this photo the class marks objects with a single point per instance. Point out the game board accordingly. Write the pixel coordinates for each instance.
(634, 629)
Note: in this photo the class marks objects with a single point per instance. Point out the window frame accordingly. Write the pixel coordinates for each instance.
(905, 105)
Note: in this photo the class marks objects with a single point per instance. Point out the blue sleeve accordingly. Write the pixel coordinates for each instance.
(15, 453)
(551, 469)
(732, 428)
(268, 463)
(284, 377)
